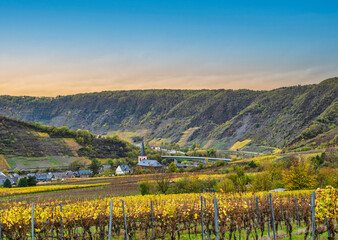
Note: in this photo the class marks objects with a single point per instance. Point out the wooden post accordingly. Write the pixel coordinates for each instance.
(202, 224)
(258, 213)
(152, 219)
(206, 230)
(216, 218)
(125, 220)
(273, 218)
(32, 221)
(110, 219)
(61, 230)
(0, 228)
(313, 211)
(328, 228)
(297, 211)
(267, 201)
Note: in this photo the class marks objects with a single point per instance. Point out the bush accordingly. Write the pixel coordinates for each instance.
(31, 181)
(172, 167)
(144, 188)
(226, 185)
(76, 165)
(252, 164)
(23, 182)
(7, 183)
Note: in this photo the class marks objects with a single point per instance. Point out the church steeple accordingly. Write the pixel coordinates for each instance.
(142, 155)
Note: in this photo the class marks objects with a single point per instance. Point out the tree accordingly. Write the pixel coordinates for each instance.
(5, 171)
(262, 182)
(111, 163)
(23, 182)
(172, 167)
(211, 152)
(31, 181)
(162, 184)
(227, 185)
(300, 176)
(7, 183)
(95, 166)
(76, 165)
(144, 188)
(193, 146)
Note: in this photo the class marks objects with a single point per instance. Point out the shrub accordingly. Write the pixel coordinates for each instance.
(144, 188)
(23, 182)
(299, 176)
(31, 181)
(7, 183)
(172, 167)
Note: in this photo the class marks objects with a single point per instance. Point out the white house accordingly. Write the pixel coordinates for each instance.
(122, 169)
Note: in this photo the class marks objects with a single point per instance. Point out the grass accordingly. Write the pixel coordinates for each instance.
(39, 162)
(240, 144)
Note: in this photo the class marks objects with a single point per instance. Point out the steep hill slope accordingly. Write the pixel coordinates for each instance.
(28, 145)
(276, 118)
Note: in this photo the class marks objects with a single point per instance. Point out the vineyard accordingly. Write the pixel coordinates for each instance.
(5, 192)
(206, 216)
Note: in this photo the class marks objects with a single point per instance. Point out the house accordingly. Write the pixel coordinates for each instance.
(4, 177)
(59, 175)
(84, 173)
(122, 169)
(104, 168)
(145, 163)
(43, 177)
(71, 174)
(178, 165)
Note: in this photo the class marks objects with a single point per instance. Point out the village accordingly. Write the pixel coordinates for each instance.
(41, 176)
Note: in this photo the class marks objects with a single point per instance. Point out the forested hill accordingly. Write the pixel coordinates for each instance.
(216, 118)
(31, 145)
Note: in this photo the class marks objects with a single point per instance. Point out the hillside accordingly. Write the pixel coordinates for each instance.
(218, 118)
(28, 145)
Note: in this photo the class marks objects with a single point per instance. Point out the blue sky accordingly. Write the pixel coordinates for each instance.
(54, 47)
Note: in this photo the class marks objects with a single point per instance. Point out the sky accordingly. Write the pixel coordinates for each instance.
(60, 47)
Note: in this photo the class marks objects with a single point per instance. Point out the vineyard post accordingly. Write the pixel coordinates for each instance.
(267, 201)
(216, 218)
(152, 219)
(110, 218)
(273, 218)
(0, 228)
(258, 213)
(297, 211)
(327, 223)
(202, 217)
(313, 209)
(61, 230)
(32, 221)
(125, 220)
(205, 207)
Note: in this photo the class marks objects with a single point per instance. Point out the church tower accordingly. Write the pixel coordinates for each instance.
(142, 155)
